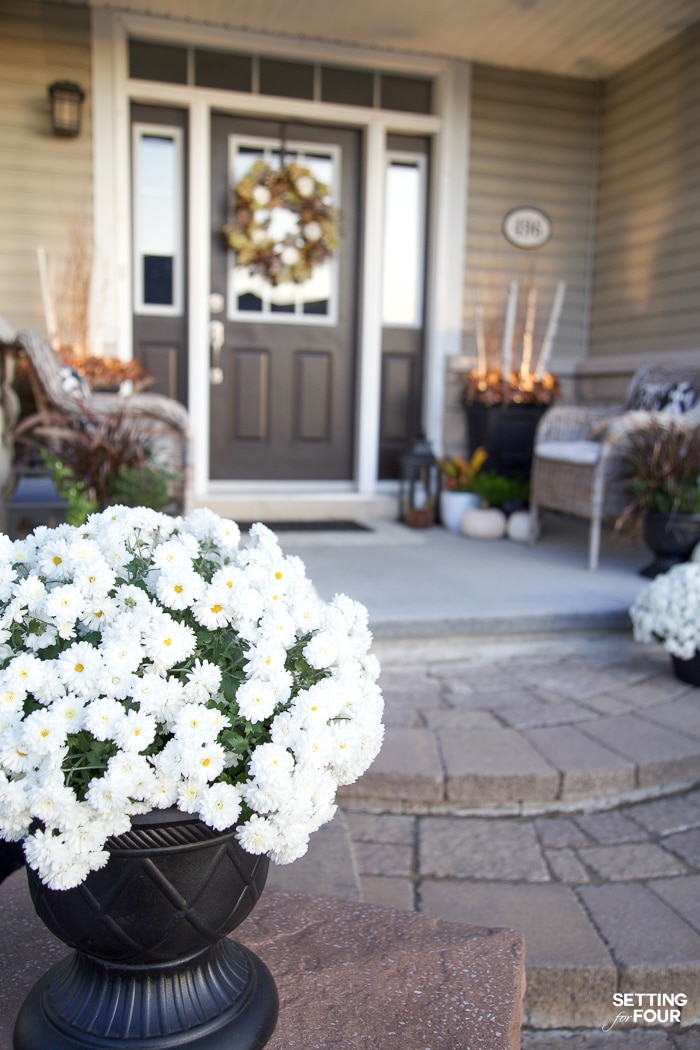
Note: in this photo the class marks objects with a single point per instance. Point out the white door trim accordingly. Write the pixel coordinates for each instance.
(113, 93)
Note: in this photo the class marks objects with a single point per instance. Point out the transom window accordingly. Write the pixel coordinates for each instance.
(263, 75)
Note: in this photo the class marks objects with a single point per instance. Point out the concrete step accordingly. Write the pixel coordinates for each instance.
(288, 504)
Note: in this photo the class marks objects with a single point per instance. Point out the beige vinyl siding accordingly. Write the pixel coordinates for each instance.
(646, 292)
(533, 142)
(45, 181)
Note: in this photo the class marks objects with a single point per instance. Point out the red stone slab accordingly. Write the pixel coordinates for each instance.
(349, 975)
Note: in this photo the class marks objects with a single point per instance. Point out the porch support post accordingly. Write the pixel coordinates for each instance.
(370, 334)
(448, 242)
(199, 279)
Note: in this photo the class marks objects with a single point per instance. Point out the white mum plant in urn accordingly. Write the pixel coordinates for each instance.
(668, 610)
(151, 662)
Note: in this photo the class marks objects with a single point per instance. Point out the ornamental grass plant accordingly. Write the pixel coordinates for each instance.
(151, 662)
(662, 461)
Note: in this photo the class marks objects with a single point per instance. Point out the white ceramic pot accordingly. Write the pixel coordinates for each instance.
(454, 505)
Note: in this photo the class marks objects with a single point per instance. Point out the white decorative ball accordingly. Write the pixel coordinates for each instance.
(519, 526)
(312, 231)
(261, 195)
(290, 255)
(305, 186)
(487, 523)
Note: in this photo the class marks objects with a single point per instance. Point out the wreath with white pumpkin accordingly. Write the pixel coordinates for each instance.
(311, 237)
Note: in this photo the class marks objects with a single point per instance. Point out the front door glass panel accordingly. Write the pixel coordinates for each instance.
(249, 295)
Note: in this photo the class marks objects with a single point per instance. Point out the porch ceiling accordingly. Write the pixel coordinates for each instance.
(582, 38)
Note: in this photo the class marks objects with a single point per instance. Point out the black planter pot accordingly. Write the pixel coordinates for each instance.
(671, 538)
(507, 432)
(152, 966)
(687, 671)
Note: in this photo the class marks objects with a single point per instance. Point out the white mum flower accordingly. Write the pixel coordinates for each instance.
(44, 732)
(256, 699)
(102, 717)
(205, 763)
(64, 604)
(24, 673)
(191, 792)
(30, 593)
(80, 668)
(197, 724)
(213, 609)
(203, 680)
(135, 731)
(168, 642)
(258, 835)
(53, 559)
(220, 806)
(323, 650)
(107, 794)
(271, 761)
(180, 590)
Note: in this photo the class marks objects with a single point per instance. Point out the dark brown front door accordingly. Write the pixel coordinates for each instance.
(283, 385)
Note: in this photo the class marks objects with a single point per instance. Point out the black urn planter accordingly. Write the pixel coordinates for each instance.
(671, 538)
(152, 966)
(507, 432)
(687, 671)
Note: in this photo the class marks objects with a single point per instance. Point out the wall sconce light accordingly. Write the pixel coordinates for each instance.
(66, 107)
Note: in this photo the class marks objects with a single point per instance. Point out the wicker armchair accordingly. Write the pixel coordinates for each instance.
(578, 464)
(166, 421)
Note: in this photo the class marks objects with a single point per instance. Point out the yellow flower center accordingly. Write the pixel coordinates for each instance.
(57, 560)
(216, 608)
(178, 588)
(206, 762)
(79, 668)
(167, 641)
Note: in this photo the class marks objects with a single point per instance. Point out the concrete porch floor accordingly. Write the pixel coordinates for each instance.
(540, 769)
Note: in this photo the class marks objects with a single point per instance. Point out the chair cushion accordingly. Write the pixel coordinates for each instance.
(585, 453)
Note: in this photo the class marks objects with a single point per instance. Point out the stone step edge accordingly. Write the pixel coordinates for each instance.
(359, 803)
(542, 791)
(593, 1004)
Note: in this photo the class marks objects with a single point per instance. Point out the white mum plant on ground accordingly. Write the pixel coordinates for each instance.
(668, 610)
(149, 662)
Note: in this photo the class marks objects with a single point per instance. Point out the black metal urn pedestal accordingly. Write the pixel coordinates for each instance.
(153, 968)
(671, 538)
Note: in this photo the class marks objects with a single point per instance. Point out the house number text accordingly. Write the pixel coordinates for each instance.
(527, 227)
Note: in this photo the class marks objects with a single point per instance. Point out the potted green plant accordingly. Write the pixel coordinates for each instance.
(663, 477)
(457, 491)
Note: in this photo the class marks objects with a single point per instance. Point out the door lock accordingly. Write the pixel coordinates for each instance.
(216, 345)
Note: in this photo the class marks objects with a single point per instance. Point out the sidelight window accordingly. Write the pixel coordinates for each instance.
(157, 220)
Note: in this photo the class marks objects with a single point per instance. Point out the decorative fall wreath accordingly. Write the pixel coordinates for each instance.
(282, 224)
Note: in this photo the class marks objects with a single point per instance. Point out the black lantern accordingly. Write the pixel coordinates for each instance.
(66, 106)
(34, 502)
(419, 486)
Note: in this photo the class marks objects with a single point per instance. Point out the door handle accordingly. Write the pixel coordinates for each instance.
(216, 345)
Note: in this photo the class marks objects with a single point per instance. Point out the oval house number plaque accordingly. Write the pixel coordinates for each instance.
(527, 227)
